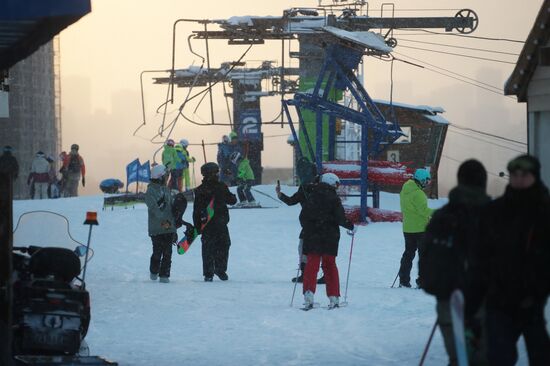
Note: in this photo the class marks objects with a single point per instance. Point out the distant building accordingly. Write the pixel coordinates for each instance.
(32, 121)
(530, 83)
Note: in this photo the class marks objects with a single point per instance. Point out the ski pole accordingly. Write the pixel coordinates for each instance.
(425, 353)
(349, 267)
(295, 284)
(265, 194)
(393, 284)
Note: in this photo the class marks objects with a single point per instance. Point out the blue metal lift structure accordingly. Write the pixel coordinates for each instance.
(342, 57)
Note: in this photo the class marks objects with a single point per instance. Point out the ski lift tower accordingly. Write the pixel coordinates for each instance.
(246, 84)
(309, 26)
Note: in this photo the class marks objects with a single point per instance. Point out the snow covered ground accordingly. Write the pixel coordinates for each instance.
(247, 320)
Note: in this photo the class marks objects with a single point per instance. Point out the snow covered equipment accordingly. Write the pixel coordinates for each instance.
(53, 311)
(425, 353)
(457, 316)
(110, 185)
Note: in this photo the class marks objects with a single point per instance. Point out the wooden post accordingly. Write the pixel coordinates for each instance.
(6, 243)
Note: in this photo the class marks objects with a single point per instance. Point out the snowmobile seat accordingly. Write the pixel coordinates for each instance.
(61, 263)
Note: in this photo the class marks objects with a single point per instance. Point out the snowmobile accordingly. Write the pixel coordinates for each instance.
(51, 308)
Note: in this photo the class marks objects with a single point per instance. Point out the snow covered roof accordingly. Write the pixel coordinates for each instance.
(431, 113)
(518, 82)
(367, 39)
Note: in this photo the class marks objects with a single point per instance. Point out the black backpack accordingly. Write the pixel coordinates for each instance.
(442, 262)
(74, 164)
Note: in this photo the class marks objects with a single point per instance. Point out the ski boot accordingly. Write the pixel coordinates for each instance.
(334, 302)
(405, 284)
(164, 280)
(222, 276)
(153, 276)
(308, 300)
(208, 278)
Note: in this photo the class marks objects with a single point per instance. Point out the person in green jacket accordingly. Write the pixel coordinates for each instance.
(416, 215)
(245, 179)
(189, 160)
(161, 225)
(169, 160)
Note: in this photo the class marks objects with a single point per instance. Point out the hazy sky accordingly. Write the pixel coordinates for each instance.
(103, 54)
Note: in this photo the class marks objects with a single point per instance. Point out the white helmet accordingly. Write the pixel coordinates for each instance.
(158, 171)
(184, 142)
(330, 179)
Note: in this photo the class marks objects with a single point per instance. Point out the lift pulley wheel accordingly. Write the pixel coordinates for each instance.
(468, 13)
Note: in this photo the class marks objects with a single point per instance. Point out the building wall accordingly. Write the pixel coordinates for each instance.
(538, 108)
(31, 125)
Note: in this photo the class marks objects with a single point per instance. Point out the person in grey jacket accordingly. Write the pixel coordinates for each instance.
(162, 228)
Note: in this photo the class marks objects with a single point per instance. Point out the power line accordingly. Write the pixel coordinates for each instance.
(460, 47)
(488, 134)
(452, 77)
(460, 162)
(487, 142)
(464, 35)
(460, 55)
(452, 72)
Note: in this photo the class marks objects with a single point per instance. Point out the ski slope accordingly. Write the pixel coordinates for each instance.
(247, 320)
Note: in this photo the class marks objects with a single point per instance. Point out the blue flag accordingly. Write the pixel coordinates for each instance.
(132, 172)
(144, 172)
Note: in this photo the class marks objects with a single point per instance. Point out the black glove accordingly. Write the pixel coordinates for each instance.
(161, 203)
(83, 182)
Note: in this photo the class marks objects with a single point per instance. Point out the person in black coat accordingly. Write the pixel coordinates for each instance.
(8, 163)
(513, 267)
(450, 238)
(215, 235)
(308, 178)
(321, 217)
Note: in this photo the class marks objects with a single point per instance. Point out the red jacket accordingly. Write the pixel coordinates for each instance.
(67, 161)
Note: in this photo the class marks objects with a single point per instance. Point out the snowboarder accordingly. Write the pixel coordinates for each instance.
(190, 160)
(308, 173)
(245, 179)
(39, 176)
(8, 163)
(224, 161)
(321, 216)
(75, 168)
(169, 160)
(416, 215)
(451, 237)
(215, 235)
(161, 224)
(176, 182)
(512, 267)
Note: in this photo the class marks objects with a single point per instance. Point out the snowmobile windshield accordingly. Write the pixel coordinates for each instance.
(48, 229)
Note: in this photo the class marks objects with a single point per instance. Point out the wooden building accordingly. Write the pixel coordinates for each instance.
(530, 83)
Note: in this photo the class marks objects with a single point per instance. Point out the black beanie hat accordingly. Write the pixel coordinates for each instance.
(526, 163)
(472, 173)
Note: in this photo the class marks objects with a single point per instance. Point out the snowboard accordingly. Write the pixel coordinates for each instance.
(457, 316)
(185, 242)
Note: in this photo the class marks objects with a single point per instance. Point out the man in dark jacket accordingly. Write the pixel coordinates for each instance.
(514, 266)
(215, 235)
(321, 218)
(8, 163)
(307, 172)
(450, 238)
